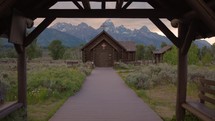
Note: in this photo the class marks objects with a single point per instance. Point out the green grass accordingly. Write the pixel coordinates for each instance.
(162, 100)
(162, 97)
(44, 111)
(48, 86)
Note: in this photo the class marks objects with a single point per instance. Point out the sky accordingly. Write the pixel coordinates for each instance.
(128, 23)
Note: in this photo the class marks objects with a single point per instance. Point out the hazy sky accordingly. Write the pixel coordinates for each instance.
(128, 23)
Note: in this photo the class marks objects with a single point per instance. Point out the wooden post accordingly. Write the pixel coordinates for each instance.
(182, 77)
(22, 84)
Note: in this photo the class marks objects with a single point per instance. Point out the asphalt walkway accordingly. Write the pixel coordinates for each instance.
(105, 97)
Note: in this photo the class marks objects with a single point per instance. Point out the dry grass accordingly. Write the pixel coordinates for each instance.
(165, 97)
(43, 111)
(162, 99)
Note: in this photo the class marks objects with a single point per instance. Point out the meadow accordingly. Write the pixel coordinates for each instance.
(157, 85)
(49, 84)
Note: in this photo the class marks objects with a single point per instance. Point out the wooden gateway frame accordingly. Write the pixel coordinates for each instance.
(193, 18)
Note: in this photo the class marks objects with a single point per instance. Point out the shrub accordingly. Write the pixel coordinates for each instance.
(85, 68)
(56, 49)
(149, 76)
(53, 82)
(8, 86)
(146, 77)
(121, 65)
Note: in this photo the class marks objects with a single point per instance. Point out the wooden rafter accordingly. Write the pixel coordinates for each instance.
(43, 3)
(190, 36)
(166, 31)
(154, 4)
(99, 13)
(119, 4)
(77, 4)
(45, 23)
(103, 4)
(205, 13)
(160, 4)
(109, 0)
(86, 4)
(43, 6)
(127, 4)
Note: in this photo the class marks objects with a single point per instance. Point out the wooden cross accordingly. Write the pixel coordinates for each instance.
(103, 46)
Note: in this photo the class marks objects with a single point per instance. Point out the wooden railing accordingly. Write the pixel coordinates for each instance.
(206, 95)
(8, 108)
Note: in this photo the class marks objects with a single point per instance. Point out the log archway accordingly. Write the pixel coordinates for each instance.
(193, 18)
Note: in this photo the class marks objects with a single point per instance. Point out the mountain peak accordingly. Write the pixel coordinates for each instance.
(61, 24)
(121, 26)
(144, 29)
(108, 23)
(82, 24)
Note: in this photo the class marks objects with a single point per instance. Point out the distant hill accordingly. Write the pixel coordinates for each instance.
(202, 43)
(49, 34)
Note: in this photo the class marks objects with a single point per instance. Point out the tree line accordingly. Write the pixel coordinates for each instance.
(204, 55)
(55, 49)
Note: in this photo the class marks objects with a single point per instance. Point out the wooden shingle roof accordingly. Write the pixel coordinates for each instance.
(100, 34)
(163, 50)
(128, 45)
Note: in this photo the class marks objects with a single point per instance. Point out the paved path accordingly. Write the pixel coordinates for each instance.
(105, 97)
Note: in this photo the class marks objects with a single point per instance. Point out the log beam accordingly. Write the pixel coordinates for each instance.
(99, 13)
(166, 31)
(77, 4)
(86, 4)
(127, 4)
(119, 4)
(190, 36)
(182, 76)
(43, 25)
(103, 4)
(22, 83)
(205, 13)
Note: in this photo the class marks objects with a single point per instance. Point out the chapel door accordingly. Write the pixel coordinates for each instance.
(104, 55)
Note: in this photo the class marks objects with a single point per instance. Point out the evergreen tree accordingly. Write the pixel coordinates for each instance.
(149, 52)
(140, 52)
(213, 51)
(0, 42)
(33, 50)
(56, 49)
(193, 55)
(207, 58)
(206, 55)
(171, 56)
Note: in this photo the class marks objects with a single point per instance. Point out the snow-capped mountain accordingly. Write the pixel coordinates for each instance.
(75, 35)
(81, 31)
(140, 36)
(86, 33)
